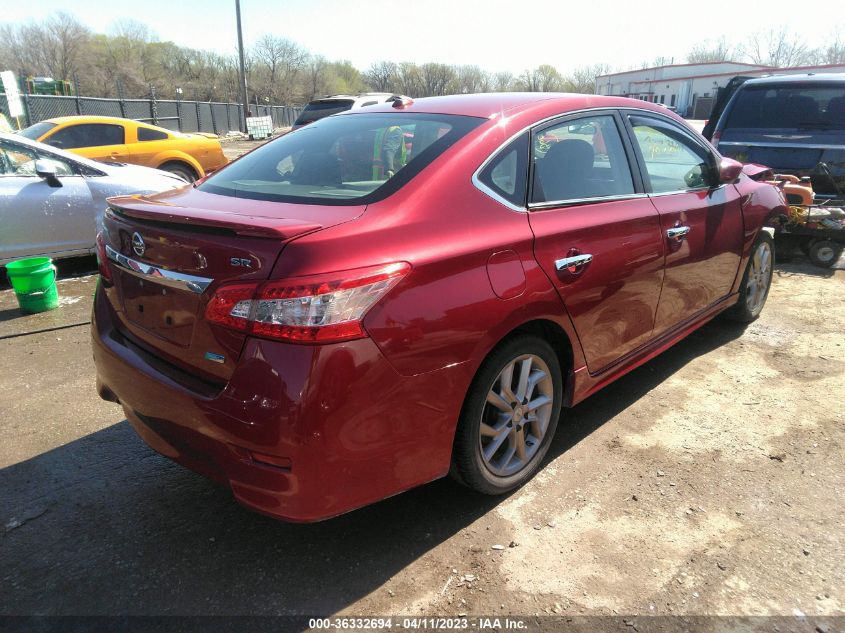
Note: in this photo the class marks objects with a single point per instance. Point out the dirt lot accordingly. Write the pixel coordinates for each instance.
(709, 481)
(232, 149)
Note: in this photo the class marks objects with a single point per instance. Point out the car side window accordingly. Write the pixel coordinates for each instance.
(673, 160)
(579, 159)
(148, 134)
(507, 174)
(19, 160)
(16, 160)
(87, 135)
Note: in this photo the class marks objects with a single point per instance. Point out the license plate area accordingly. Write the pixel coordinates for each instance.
(163, 311)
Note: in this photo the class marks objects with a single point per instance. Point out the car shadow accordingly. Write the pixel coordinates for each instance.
(103, 525)
(580, 421)
(794, 262)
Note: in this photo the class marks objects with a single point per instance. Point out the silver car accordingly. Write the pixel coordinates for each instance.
(52, 202)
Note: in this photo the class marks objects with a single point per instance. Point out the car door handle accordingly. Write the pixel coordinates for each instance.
(677, 232)
(573, 263)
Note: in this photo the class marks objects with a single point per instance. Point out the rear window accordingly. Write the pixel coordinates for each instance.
(320, 109)
(34, 132)
(352, 159)
(149, 134)
(789, 106)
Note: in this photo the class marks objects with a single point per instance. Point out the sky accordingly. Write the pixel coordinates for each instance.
(510, 35)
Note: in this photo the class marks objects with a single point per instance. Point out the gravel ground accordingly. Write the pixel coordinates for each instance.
(708, 482)
(233, 149)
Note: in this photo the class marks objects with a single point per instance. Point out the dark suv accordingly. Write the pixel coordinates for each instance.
(790, 123)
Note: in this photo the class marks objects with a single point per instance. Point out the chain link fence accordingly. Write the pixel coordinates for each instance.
(181, 116)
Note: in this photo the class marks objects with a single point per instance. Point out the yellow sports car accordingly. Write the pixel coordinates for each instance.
(104, 138)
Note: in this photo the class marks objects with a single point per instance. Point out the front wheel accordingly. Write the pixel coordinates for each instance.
(509, 416)
(756, 282)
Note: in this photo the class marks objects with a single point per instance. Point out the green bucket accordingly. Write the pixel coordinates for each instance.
(34, 282)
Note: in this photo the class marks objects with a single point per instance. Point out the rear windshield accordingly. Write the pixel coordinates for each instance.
(350, 159)
(320, 109)
(38, 130)
(789, 107)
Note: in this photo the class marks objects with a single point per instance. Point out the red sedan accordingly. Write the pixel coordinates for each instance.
(396, 293)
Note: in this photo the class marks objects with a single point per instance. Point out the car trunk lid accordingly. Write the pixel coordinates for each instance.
(170, 252)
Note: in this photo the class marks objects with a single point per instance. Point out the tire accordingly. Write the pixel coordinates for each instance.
(180, 169)
(825, 253)
(756, 281)
(480, 459)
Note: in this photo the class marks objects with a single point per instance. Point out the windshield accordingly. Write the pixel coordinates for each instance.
(320, 109)
(350, 159)
(35, 132)
(789, 107)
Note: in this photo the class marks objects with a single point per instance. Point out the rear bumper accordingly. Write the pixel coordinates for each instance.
(348, 427)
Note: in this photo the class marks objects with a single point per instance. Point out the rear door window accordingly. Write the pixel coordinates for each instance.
(87, 135)
(579, 159)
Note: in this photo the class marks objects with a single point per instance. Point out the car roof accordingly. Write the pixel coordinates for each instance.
(798, 79)
(85, 118)
(488, 105)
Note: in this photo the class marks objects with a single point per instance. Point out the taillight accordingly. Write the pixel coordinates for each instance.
(314, 309)
(102, 259)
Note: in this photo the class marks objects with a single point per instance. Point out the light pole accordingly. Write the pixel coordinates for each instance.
(242, 82)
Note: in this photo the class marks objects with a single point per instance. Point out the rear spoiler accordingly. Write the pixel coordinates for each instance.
(139, 208)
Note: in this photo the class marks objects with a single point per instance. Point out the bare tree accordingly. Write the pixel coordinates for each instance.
(435, 79)
(55, 47)
(832, 52)
(654, 63)
(718, 51)
(544, 78)
(408, 80)
(778, 48)
(583, 80)
(470, 79)
(280, 61)
(381, 76)
(315, 76)
(503, 81)
(65, 42)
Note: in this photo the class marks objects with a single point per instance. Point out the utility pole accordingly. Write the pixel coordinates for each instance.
(244, 101)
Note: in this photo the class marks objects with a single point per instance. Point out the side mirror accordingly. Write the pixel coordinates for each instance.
(729, 170)
(46, 169)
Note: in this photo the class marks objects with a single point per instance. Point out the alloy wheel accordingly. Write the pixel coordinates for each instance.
(516, 415)
(759, 278)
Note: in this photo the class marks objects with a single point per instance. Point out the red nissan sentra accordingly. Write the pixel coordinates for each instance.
(396, 293)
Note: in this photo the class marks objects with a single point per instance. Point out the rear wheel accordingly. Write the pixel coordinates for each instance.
(184, 172)
(825, 253)
(756, 282)
(509, 416)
